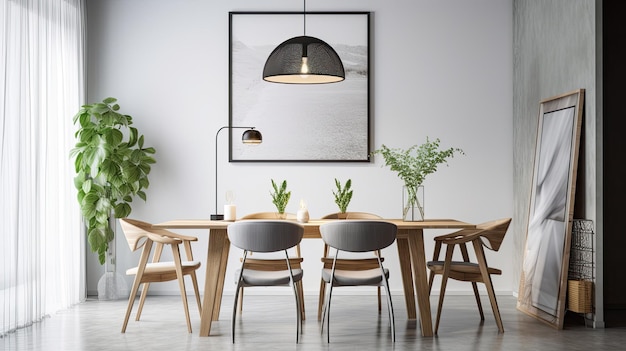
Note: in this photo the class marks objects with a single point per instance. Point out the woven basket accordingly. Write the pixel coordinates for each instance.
(580, 295)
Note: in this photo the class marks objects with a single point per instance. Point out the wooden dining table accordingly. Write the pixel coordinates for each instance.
(409, 240)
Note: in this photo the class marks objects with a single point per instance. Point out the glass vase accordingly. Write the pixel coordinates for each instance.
(413, 203)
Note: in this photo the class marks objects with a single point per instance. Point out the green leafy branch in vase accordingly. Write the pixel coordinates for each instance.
(415, 163)
(280, 196)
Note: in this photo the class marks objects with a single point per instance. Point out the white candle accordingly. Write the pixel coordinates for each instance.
(230, 212)
(303, 215)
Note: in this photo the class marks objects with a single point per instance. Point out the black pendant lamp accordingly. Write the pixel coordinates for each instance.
(304, 60)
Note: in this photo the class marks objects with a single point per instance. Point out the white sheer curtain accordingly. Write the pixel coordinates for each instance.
(42, 245)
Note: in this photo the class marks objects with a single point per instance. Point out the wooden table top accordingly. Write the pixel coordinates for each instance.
(311, 228)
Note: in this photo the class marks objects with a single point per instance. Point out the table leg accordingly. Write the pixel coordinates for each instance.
(220, 282)
(216, 268)
(407, 275)
(418, 259)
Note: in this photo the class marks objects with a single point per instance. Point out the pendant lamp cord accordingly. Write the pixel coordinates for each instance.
(304, 16)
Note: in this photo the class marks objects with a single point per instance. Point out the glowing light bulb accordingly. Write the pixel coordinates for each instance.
(304, 69)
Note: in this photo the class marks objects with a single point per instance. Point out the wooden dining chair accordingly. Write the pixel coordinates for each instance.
(141, 234)
(357, 236)
(266, 236)
(277, 264)
(351, 264)
(490, 235)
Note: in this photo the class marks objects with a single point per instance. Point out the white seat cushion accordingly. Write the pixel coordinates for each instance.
(166, 266)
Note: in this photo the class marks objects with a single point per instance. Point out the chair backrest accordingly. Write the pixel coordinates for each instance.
(358, 235)
(136, 232)
(268, 215)
(494, 232)
(265, 235)
(351, 215)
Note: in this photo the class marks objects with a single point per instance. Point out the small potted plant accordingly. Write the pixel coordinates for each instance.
(280, 197)
(413, 165)
(343, 195)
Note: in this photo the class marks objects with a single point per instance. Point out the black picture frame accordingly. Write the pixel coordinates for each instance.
(299, 123)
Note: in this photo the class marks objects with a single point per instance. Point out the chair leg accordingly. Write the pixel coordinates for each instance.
(301, 296)
(131, 301)
(392, 319)
(482, 263)
(326, 315)
(240, 300)
(320, 304)
(444, 282)
(235, 305)
(480, 305)
(147, 247)
(431, 278)
(379, 304)
(296, 294)
(194, 281)
(181, 283)
(494, 306)
(142, 299)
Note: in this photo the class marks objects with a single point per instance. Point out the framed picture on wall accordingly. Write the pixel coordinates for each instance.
(546, 255)
(300, 122)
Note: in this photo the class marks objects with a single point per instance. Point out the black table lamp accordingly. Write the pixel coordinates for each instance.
(250, 136)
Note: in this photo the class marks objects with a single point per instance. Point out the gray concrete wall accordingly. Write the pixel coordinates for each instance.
(554, 52)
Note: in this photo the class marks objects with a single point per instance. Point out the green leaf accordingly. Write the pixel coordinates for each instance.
(132, 136)
(142, 195)
(122, 210)
(109, 100)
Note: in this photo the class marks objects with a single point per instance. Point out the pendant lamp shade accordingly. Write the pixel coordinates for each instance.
(304, 60)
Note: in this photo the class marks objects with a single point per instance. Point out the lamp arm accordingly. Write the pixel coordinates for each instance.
(216, 135)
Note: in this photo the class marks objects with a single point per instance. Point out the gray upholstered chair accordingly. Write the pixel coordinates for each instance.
(264, 236)
(141, 234)
(352, 263)
(357, 236)
(490, 235)
(274, 265)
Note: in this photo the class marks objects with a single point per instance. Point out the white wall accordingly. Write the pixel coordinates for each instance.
(441, 69)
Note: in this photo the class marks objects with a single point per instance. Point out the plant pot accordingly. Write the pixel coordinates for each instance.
(111, 285)
(413, 203)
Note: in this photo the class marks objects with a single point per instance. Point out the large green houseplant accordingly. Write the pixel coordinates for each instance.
(112, 166)
(413, 165)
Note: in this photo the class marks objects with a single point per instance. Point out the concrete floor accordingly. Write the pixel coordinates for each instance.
(268, 323)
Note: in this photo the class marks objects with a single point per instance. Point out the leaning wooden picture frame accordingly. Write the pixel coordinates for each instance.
(543, 281)
(300, 122)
